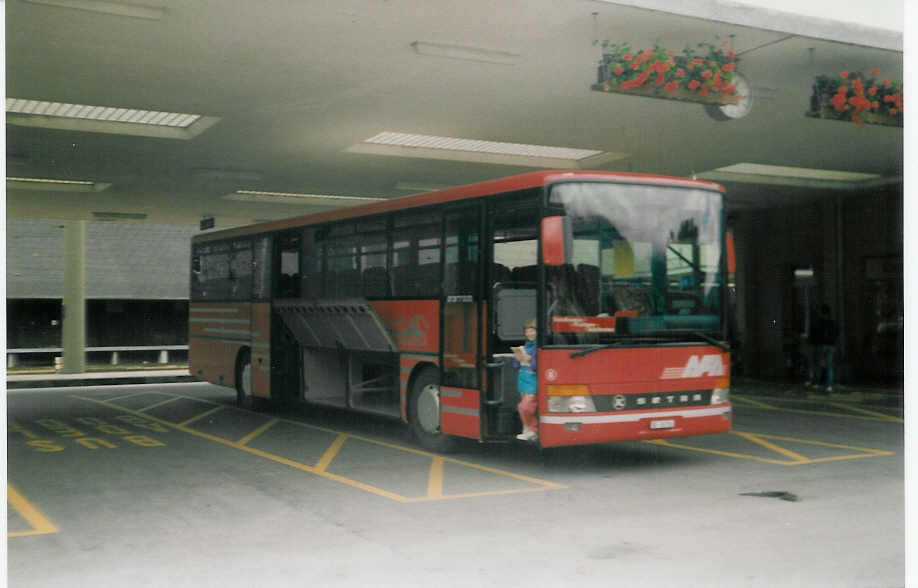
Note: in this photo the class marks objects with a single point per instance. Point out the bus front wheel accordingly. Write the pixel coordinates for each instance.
(424, 412)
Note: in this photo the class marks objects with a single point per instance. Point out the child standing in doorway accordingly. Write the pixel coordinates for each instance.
(526, 384)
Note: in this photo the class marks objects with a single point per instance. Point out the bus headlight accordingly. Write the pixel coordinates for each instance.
(570, 398)
(720, 395)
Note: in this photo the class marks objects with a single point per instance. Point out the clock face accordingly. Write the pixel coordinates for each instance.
(734, 111)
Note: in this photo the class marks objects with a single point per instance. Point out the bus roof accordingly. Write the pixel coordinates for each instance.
(497, 186)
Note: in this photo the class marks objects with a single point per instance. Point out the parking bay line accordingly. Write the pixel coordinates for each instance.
(868, 414)
(797, 459)
(41, 525)
(879, 415)
(539, 485)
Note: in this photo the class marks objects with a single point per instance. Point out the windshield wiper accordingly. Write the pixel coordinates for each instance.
(715, 342)
(590, 350)
(617, 343)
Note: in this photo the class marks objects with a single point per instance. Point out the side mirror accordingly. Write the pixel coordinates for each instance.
(731, 254)
(557, 240)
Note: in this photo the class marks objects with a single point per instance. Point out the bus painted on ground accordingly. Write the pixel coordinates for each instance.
(409, 308)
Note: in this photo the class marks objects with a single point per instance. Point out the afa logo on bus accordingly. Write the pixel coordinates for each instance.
(696, 367)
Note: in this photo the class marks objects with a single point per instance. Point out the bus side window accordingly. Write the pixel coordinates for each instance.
(262, 269)
(287, 283)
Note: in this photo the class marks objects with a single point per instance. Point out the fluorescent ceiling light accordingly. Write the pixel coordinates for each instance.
(756, 173)
(295, 198)
(119, 216)
(235, 175)
(105, 119)
(105, 7)
(466, 53)
(51, 185)
(432, 147)
(421, 186)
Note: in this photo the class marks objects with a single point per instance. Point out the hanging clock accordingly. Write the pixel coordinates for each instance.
(733, 111)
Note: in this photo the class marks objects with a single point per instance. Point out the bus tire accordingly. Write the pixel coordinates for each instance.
(244, 396)
(424, 412)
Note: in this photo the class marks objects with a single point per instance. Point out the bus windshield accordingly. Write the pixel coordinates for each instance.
(646, 265)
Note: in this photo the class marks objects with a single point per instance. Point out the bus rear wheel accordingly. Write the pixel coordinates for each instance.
(244, 396)
(424, 412)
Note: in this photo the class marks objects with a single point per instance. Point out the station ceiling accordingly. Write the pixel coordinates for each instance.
(290, 91)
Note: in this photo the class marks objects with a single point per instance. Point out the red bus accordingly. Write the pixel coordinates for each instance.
(409, 308)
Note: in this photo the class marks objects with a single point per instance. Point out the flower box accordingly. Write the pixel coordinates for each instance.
(852, 97)
(704, 75)
(682, 94)
(867, 117)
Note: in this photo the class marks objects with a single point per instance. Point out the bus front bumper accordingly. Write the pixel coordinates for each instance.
(582, 429)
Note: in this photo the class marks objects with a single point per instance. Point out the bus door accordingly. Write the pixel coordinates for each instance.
(460, 383)
(511, 299)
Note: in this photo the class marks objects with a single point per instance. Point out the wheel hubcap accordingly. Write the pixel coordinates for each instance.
(247, 379)
(429, 408)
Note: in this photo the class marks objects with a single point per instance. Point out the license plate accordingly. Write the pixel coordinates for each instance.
(667, 424)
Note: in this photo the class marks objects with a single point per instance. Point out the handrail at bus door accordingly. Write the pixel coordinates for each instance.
(496, 384)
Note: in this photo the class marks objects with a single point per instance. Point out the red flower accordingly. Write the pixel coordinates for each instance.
(875, 104)
(704, 91)
(693, 85)
(874, 71)
(887, 83)
(838, 101)
(872, 91)
(627, 57)
(843, 90)
(680, 73)
(731, 54)
(893, 111)
(635, 65)
(844, 75)
(706, 74)
(729, 66)
(698, 61)
(671, 87)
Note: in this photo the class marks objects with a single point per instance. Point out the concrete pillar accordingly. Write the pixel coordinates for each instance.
(164, 356)
(74, 303)
(114, 358)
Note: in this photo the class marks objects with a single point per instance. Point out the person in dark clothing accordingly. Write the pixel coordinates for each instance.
(823, 334)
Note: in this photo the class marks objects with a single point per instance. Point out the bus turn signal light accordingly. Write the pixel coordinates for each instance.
(569, 390)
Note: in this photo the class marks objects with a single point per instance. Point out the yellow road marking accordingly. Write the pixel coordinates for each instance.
(868, 414)
(202, 415)
(828, 444)
(330, 453)
(435, 481)
(753, 402)
(132, 394)
(776, 448)
(798, 459)
(258, 431)
(666, 443)
(40, 524)
(167, 401)
(879, 415)
(542, 484)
